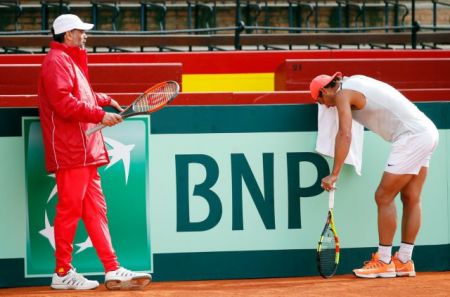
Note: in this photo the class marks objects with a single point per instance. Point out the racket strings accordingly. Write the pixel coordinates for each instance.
(155, 98)
(327, 254)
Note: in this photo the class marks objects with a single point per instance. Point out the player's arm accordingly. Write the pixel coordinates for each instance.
(344, 134)
(102, 99)
(116, 105)
(105, 100)
(109, 119)
(343, 137)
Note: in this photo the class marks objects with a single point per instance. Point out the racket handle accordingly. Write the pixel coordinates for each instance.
(94, 129)
(331, 198)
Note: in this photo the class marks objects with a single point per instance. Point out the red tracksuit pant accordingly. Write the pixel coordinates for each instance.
(80, 196)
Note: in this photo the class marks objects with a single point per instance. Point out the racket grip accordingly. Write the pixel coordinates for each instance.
(94, 129)
(331, 198)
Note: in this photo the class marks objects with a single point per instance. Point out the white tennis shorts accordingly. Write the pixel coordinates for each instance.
(412, 152)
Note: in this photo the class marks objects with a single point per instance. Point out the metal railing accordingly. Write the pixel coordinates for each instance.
(435, 8)
(235, 38)
(299, 35)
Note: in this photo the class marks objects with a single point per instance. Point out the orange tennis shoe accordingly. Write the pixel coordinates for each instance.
(403, 269)
(375, 268)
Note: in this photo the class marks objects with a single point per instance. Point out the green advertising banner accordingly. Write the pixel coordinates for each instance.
(214, 192)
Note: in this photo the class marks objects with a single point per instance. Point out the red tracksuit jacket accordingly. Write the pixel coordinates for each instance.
(67, 107)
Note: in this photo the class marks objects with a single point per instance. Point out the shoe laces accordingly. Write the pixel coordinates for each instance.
(124, 272)
(373, 263)
(397, 260)
(74, 278)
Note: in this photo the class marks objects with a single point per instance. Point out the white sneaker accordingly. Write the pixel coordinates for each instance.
(72, 281)
(122, 278)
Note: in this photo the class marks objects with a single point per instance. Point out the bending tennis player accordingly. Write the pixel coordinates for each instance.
(67, 107)
(414, 137)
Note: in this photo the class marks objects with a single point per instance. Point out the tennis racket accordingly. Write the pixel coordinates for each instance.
(328, 247)
(150, 101)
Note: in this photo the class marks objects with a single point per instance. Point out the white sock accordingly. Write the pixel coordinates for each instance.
(385, 253)
(405, 252)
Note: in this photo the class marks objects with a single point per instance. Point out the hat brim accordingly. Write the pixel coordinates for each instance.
(85, 27)
(337, 74)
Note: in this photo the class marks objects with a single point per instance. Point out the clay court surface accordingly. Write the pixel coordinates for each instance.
(430, 284)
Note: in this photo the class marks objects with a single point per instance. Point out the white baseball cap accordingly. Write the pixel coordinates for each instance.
(68, 22)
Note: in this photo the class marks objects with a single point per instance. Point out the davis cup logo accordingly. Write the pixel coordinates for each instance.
(125, 185)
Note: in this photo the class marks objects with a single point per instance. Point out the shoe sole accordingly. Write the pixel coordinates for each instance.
(64, 287)
(410, 273)
(132, 284)
(381, 275)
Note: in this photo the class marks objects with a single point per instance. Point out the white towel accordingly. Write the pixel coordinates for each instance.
(328, 124)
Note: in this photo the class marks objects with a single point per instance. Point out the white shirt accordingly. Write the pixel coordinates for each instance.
(387, 112)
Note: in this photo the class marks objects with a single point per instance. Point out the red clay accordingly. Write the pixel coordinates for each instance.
(430, 284)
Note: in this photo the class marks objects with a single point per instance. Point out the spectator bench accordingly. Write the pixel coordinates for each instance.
(105, 77)
(404, 73)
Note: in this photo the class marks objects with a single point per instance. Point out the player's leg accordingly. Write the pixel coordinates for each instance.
(412, 212)
(71, 189)
(381, 265)
(411, 221)
(403, 171)
(71, 185)
(417, 160)
(390, 185)
(96, 222)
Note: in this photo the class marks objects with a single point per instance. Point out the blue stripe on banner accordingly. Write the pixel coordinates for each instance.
(259, 118)
(228, 119)
(234, 119)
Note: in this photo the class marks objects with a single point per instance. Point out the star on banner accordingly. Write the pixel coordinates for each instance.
(84, 245)
(48, 232)
(119, 152)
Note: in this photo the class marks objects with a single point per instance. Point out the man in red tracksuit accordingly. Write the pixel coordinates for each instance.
(68, 107)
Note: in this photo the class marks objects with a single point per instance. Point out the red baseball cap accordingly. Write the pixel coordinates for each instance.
(319, 82)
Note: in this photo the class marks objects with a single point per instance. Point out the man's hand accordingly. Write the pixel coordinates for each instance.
(116, 105)
(111, 119)
(328, 182)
